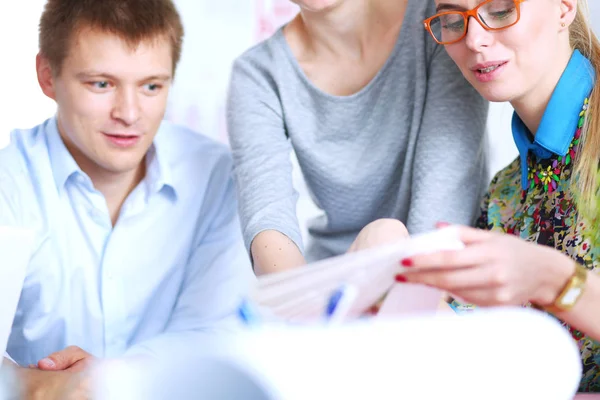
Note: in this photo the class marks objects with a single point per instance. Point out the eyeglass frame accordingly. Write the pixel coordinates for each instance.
(466, 16)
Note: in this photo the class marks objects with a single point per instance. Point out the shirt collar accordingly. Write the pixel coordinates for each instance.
(159, 176)
(158, 167)
(559, 122)
(62, 162)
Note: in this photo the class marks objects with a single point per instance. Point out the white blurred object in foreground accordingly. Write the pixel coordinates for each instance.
(494, 354)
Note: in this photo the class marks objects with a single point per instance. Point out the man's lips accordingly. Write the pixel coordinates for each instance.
(122, 140)
(125, 135)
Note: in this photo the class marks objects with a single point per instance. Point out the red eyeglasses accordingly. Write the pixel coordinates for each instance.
(449, 27)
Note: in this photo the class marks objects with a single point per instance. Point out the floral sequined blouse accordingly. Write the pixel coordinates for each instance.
(543, 211)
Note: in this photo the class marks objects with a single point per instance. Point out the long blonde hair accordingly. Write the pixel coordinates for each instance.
(583, 39)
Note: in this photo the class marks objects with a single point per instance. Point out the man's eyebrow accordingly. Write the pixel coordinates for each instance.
(449, 7)
(93, 74)
(164, 77)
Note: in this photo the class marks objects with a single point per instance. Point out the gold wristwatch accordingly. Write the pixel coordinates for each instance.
(572, 291)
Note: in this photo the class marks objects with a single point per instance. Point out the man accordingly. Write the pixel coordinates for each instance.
(137, 233)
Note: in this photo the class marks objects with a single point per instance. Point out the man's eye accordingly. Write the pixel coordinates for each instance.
(100, 85)
(152, 87)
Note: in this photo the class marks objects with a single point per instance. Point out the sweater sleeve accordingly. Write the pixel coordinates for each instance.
(450, 167)
(261, 152)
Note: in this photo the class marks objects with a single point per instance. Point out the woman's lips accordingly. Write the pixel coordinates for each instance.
(489, 71)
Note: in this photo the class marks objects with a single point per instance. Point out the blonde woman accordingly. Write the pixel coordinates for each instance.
(538, 242)
(382, 122)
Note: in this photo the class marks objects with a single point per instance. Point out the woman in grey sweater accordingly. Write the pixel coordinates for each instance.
(381, 120)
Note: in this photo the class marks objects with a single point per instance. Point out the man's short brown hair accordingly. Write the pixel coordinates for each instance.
(132, 20)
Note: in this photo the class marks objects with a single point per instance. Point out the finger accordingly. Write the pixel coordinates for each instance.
(62, 359)
(455, 280)
(469, 235)
(476, 254)
(489, 297)
(466, 234)
(81, 365)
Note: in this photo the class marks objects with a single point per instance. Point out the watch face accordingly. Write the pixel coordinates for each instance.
(571, 296)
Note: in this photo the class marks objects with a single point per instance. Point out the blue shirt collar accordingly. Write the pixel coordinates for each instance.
(159, 161)
(559, 122)
(62, 162)
(158, 166)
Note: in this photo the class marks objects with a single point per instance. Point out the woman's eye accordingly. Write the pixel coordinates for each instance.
(502, 14)
(455, 26)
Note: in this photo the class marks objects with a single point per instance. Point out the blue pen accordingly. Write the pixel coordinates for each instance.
(333, 302)
(340, 302)
(247, 314)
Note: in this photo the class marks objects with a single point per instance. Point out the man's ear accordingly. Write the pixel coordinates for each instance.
(45, 76)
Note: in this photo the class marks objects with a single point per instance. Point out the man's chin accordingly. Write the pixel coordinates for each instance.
(118, 167)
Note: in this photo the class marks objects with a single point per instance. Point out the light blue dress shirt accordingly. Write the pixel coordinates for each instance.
(174, 262)
(559, 122)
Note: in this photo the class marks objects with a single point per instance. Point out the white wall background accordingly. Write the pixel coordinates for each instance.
(216, 32)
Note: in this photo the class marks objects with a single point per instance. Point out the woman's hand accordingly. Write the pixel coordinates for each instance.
(494, 269)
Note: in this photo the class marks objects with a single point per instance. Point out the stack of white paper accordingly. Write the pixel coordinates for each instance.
(302, 294)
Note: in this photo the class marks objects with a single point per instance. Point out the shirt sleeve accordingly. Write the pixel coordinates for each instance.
(217, 279)
(9, 201)
(261, 153)
(9, 209)
(450, 167)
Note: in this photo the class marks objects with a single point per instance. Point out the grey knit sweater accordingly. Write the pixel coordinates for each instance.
(409, 145)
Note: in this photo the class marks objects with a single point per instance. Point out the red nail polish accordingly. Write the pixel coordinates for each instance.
(407, 262)
(401, 278)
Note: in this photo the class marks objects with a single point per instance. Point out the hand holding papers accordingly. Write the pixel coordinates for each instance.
(303, 294)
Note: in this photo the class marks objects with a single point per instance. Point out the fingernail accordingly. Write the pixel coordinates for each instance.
(407, 262)
(401, 279)
(442, 224)
(48, 362)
